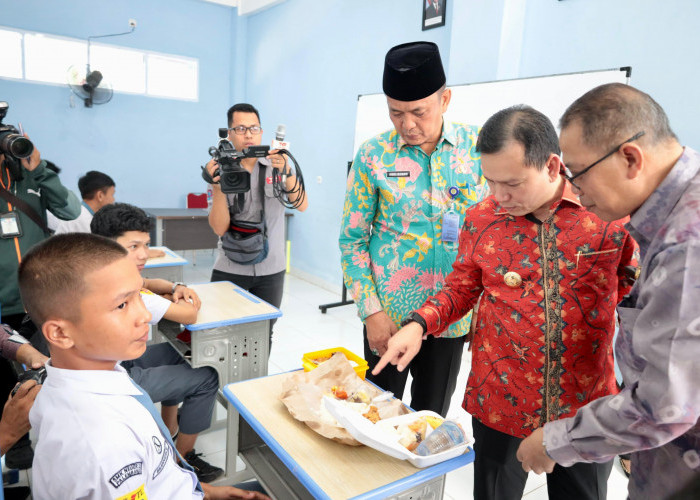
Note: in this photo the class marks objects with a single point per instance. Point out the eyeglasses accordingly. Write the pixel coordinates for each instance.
(567, 172)
(241, 130)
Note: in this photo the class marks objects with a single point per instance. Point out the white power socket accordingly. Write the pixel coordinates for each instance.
(132, 23)
(319, 179)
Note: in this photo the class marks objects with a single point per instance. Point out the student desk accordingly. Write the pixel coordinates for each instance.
(169, 267)
(293, 462)
(182, 228)
(231, 335)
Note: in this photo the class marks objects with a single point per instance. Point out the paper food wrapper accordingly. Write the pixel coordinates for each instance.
(302, 394)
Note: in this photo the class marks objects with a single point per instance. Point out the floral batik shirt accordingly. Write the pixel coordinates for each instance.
(392, 253)
(658, 352)
(543, 341)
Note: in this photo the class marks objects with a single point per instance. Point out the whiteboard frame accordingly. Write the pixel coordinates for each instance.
(371, 108)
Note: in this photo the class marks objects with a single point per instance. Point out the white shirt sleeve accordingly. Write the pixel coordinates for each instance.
(156, 305)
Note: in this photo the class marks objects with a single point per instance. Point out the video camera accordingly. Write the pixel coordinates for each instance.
(233, 177)
(13, 144)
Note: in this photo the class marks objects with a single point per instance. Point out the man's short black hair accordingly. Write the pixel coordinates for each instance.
(241, 107)
(114, 220)
(92, 182)
(52, 274)
(523, 124)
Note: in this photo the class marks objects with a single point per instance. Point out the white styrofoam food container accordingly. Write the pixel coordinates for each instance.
(376, 435)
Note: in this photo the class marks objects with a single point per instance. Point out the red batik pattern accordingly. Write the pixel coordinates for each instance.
(542, 349)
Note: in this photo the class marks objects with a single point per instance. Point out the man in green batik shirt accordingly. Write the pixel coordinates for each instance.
(407, 193)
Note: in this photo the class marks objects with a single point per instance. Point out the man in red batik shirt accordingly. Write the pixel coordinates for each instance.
(551, 274)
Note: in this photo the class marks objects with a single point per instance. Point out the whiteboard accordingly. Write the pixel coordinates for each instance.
(473, 104)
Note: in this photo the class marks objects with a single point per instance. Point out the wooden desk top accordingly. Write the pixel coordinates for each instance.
(340, 471)
(169, 259)
(224, 303)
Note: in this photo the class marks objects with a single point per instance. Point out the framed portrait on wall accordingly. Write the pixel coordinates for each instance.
(433, 13)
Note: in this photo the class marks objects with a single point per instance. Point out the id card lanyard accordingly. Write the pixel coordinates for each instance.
(9, 222)
(450, 219)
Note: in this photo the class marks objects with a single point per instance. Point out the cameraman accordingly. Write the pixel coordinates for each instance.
(266, 278)
(39, 189)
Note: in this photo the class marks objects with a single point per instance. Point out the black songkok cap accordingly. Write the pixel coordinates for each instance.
(413, 71)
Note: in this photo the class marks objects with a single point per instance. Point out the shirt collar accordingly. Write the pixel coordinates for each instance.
(449, 134)
(88, 208)
(649, 218)
(113, 382)
(567, 195)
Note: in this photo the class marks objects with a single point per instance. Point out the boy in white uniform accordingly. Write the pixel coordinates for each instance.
(161, 371)
(99, 436)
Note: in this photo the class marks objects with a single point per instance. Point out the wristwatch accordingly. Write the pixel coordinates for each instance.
(177, 284)
(414, 316)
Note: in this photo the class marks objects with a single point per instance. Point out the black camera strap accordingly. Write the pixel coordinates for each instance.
(240, 197)
(26, 208)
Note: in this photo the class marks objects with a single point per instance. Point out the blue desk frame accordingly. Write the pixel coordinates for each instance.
(420, 477)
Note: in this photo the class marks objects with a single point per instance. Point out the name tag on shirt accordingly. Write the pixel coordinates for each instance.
(9, 225)
(450, 227)
(398, 173)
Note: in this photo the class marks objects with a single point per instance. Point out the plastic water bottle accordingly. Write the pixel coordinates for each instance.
(448, 435)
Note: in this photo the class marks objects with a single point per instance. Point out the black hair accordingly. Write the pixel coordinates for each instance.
(241, 107)
(613, 112)
(114, 220)
(523, 124)
(52, 274)
(92, 182)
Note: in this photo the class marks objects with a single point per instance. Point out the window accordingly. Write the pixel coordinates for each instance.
(11, 54)
(172, 77)
(48, 59)
(125, 69)
(57, 60)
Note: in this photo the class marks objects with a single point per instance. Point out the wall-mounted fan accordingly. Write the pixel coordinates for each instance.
(89, 86)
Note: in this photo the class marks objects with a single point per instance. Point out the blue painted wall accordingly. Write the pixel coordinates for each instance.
(152, 147)
(303, 63)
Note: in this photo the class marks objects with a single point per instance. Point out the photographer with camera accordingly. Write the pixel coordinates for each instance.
(27, 190)
(250, 222)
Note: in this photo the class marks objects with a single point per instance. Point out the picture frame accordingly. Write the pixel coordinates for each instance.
(433, 13)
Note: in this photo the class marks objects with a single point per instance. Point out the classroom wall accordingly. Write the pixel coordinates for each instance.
(308, 61)
(304, 62)
(152, 147)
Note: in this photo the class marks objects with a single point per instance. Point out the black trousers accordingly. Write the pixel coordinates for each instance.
(498, 475)
(434, 371)
(269, 287)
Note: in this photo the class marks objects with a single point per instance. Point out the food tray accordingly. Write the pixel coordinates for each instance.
(360, 368)
(373, 436)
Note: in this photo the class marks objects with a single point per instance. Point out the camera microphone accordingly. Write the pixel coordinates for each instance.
(279, 142)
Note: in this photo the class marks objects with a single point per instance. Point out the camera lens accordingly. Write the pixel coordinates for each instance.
(16, 145)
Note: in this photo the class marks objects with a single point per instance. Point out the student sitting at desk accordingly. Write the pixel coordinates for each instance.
(99, 434)
(161, 371)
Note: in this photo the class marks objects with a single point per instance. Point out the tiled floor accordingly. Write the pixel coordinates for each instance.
(303, 328)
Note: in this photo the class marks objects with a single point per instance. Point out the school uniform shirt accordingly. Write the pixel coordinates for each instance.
(656, 415)
(155, 304)
(79, 225)
(96, 441)
(392, 254)
(543, 342)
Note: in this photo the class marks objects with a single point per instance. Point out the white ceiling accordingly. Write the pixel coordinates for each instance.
(247, 6)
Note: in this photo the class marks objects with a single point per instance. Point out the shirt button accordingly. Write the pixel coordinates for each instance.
(512, 279)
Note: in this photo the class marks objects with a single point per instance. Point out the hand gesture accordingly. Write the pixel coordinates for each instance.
(380, 328)
(188, 295)
(211, 167)
(533, 455)
(33, 160)
(402, 348)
